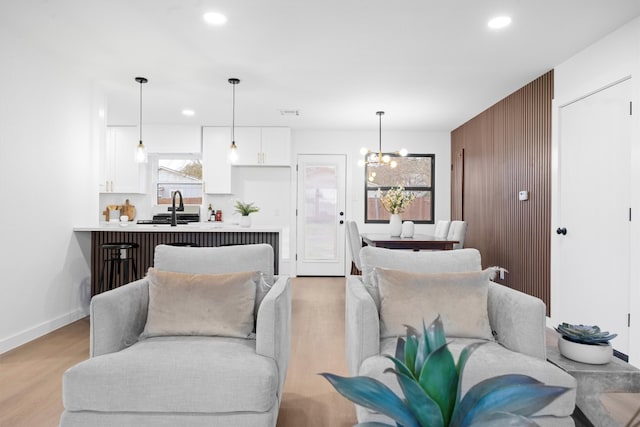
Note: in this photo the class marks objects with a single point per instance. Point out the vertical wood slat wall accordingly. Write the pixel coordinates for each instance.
(149, 240)
(507, 148)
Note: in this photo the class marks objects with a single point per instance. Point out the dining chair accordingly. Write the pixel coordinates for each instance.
(355, 244)
(457, 231)
(442, 229)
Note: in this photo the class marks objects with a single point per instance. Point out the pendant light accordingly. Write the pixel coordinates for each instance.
(376, 159)
(141, 152)
(233, 154)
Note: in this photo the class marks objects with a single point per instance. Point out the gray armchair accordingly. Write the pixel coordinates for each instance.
(516, 319)
(182, 380)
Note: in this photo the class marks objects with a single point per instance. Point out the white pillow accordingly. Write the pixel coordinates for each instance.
(460, 299)
(200, 304)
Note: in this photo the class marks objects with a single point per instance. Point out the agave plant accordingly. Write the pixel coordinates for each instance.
(431, 383)
(585, 334)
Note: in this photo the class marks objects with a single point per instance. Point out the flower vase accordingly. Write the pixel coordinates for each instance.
(395, 224)
(245, 221)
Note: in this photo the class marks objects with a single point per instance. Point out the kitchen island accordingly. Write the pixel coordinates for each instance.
(147, 236)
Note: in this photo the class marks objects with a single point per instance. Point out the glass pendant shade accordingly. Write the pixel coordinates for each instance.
(233, 152)
(141, 153)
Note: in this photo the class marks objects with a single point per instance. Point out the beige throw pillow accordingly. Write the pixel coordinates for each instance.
(459, 298)
(200, 304)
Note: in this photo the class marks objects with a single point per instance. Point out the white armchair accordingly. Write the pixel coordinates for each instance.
(182, 380)
(517, 321)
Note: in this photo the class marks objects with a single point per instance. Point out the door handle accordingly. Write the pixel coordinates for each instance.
(562, 231)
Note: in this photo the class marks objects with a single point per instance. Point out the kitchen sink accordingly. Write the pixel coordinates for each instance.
(161, 221)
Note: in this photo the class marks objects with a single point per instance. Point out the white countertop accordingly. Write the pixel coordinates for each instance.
(213, 227)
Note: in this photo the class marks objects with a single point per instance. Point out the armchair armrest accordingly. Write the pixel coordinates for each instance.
(518, 319)
(118, 317)
(273, 327)
(362, 339)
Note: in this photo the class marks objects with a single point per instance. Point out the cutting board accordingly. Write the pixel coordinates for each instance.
(126, 209)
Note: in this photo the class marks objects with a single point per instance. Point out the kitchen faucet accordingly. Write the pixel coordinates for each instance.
(173, 207)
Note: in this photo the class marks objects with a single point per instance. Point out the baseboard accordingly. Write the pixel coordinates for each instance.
(43, 328)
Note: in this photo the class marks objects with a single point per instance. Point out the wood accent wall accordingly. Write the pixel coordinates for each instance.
(505, 149)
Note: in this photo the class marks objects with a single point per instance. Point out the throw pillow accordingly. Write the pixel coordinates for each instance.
(410, 298)
(200, 304)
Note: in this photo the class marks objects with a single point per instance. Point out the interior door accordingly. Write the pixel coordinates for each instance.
(321, 215)
(593, 234)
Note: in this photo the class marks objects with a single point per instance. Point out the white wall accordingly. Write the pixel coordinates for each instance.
(350, 142)
(48, 119)
(609, 60)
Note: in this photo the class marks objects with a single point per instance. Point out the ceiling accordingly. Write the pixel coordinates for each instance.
(430, 65)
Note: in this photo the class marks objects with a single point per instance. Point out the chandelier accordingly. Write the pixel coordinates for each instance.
(377, 159)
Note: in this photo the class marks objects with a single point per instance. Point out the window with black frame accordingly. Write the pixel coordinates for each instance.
(414, 172)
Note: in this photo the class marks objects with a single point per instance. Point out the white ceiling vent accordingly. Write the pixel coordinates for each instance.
(289, 112)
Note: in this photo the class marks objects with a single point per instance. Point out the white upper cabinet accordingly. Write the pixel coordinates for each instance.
(215, 159)
(119, 171)
(267, 146)
(276, 146)
(248, 143)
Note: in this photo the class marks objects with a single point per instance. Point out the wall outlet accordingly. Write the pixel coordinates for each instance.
(523, 195)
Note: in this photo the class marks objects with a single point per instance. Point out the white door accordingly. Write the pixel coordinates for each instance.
(321, 215)
(592, 279)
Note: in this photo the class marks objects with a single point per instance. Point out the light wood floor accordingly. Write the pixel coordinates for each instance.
(31, 386)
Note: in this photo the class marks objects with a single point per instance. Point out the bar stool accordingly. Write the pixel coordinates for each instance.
(115, 264)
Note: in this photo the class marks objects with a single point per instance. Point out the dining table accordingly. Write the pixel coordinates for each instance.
(416, 242)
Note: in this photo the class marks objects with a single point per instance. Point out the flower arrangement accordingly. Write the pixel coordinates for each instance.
(245, 209)
(431, 383)
(396, 199)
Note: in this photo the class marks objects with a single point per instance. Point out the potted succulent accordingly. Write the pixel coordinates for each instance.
(431, 383)
(244, 209)
(585, 343)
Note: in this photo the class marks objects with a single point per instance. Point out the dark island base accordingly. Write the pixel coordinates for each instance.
(149, 240)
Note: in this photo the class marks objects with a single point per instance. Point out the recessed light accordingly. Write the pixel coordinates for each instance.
(499, 22)
(187, 112)
(214, 18)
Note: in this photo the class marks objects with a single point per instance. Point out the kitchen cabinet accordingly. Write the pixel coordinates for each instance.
(119, 172)
(263, 146)
(216, 170)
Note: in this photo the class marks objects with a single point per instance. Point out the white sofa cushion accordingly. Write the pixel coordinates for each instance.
(417, 262)
(415, 298)
(175, 375)
(200, 304)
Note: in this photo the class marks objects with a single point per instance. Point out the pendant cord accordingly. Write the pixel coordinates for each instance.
(140, 111)
(233, 115)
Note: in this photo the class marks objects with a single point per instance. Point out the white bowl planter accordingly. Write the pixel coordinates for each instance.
(585, 353)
